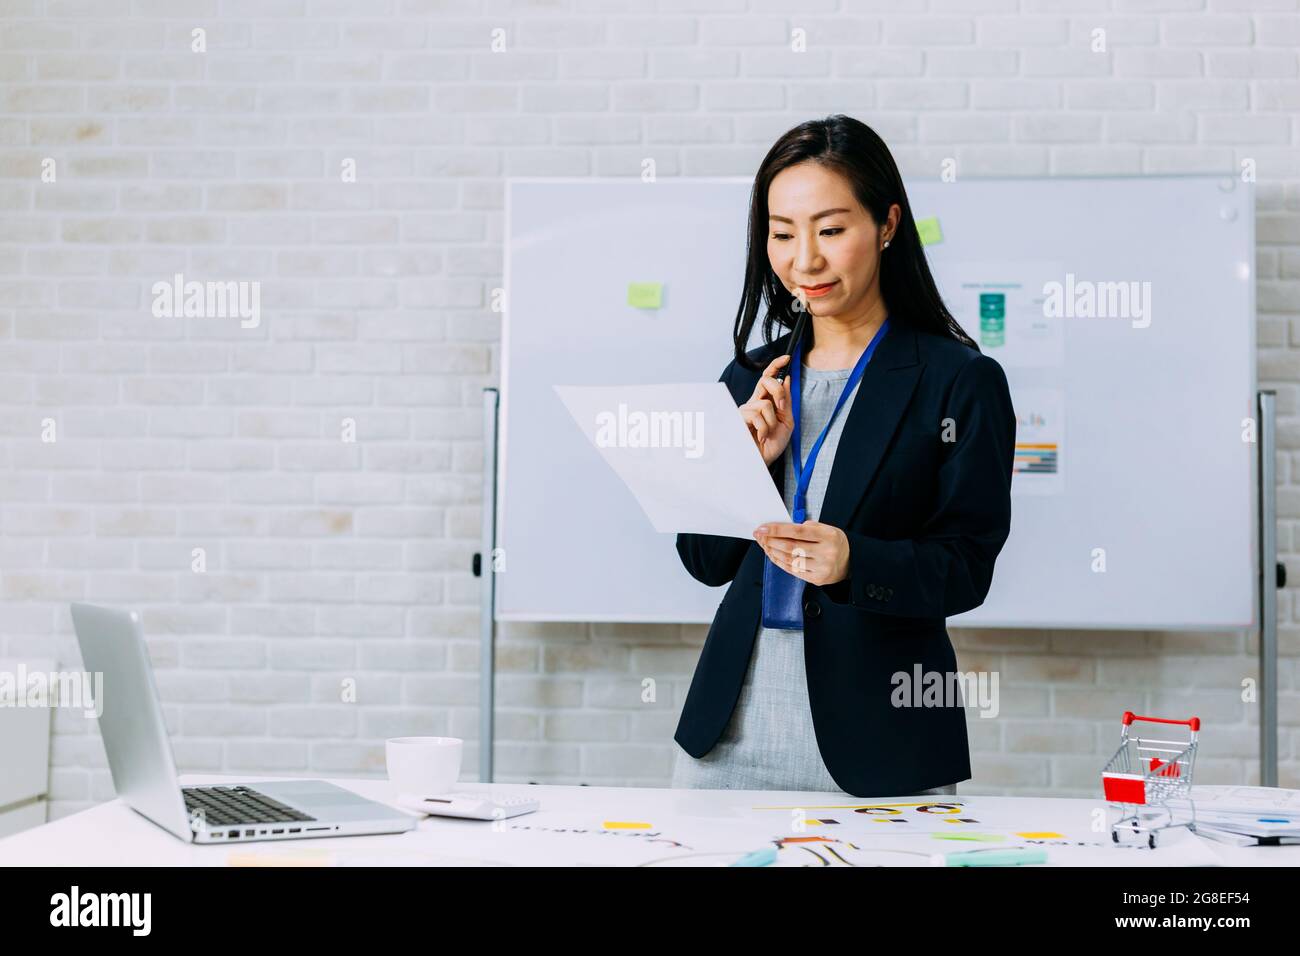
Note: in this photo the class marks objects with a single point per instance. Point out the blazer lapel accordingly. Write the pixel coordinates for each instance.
(887, 385)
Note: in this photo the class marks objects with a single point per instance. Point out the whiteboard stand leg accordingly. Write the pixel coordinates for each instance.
(485, 570)
(1272, 576)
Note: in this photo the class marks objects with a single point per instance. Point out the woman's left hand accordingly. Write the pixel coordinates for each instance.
(815, 552)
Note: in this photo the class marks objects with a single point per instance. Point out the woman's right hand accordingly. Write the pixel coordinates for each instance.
(769, 414)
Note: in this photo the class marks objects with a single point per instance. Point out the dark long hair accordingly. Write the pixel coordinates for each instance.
(854, 150)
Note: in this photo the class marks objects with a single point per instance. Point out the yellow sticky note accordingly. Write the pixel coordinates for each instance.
(645, 295)
(625, 825)
(1046, 835)
(929, 231)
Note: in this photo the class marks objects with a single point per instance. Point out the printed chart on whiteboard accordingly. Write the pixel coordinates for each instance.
(1040, 433)
(1001, 305)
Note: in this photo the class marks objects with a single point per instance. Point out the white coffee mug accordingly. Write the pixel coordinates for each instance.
(423, 766)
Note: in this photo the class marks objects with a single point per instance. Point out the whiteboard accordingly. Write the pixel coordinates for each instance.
(1133, 504)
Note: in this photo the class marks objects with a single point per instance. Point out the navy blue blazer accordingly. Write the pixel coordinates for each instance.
(925, 518)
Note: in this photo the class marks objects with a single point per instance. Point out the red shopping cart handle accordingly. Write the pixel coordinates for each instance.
(1129, 717)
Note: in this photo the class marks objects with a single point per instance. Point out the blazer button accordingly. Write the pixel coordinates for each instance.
(812, 609)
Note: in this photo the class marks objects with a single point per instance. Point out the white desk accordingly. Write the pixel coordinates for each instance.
(112, 834)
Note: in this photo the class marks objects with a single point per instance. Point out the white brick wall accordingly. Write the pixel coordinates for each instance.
(329, 561)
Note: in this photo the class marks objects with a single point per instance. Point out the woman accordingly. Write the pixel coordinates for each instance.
(804, 682)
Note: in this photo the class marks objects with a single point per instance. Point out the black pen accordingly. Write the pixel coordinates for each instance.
(794, 340)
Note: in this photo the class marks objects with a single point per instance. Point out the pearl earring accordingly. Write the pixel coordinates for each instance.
(886, 243)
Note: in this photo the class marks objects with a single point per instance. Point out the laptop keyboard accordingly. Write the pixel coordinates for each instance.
(227, 806)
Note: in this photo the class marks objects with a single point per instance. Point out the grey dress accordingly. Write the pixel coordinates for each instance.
(769, 743)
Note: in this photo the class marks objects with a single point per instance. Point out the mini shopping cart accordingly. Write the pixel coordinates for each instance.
(1145, 774)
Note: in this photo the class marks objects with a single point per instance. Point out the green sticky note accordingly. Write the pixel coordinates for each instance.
(929, 231)
(645, 295)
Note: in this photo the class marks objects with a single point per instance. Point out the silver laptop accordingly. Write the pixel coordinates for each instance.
(144, 774)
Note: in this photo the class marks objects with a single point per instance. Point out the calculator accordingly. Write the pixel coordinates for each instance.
(471, 805)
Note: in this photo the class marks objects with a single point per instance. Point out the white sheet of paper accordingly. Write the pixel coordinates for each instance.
(684, 453)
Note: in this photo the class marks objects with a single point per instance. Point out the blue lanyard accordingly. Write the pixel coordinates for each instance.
(802, 472)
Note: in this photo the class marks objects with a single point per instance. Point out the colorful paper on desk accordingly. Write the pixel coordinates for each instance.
(683, 451)
(899, 832)
(569, 839)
